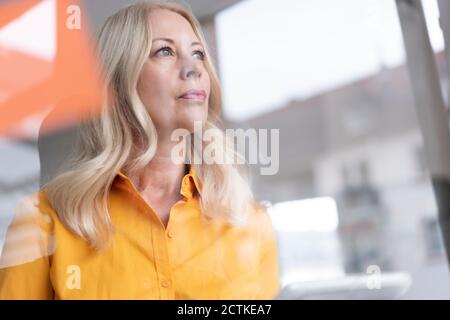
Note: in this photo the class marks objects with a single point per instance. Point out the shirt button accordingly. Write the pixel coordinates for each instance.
(171, 233)
(165, 283)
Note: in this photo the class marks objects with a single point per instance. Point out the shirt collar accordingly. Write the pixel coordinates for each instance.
(189, 184)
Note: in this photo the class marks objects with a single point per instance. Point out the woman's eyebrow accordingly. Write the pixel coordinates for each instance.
(172, 42)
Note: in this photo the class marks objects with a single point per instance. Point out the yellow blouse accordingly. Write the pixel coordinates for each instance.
(190, 259)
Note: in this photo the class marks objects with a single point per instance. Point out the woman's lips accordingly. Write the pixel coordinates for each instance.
(194, 95)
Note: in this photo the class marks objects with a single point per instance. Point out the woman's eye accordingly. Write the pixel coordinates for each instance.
(164, 49)
(167, 51)
(200, 53)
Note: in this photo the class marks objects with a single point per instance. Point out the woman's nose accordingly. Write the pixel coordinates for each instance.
(190, 69)
(190, 72)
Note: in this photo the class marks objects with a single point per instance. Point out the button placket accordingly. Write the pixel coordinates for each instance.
(162, 261)
(161, 256)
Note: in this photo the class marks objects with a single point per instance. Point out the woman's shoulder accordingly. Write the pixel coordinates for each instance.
(261, 222)
(258, 223)
(261, 215)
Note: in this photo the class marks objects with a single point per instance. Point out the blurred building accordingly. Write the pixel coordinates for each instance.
(361, 144)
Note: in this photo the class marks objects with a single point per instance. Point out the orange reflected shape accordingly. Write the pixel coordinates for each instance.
(71, 83)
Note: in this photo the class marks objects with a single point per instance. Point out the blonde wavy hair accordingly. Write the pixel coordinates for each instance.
(122, 137)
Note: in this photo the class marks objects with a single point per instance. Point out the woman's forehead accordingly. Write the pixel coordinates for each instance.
(169, 24)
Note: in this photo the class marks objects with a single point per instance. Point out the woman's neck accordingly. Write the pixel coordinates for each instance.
(162, 176)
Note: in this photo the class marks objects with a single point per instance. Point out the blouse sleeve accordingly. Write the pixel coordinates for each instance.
(26, 254)
(269, 267)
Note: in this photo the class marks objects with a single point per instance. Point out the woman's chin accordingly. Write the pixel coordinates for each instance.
(193, 122)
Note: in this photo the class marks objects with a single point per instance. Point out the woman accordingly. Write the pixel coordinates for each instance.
(127, 221)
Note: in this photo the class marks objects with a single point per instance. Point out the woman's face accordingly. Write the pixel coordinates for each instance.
(175, 65)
